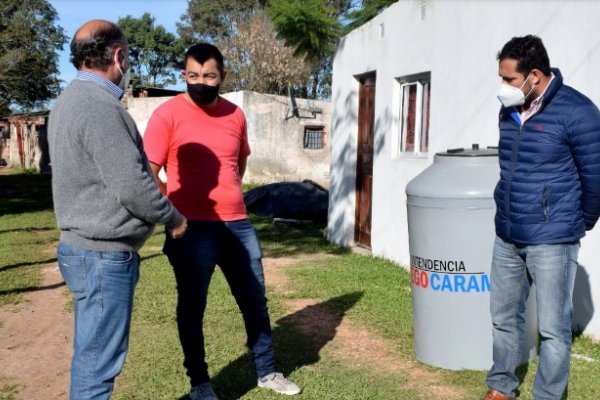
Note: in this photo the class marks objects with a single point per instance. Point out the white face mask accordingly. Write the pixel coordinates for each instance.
(511, 96)
(125, 78)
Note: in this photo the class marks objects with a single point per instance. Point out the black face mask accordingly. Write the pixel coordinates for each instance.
(202, 94)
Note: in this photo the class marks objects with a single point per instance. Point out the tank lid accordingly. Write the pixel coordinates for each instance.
(474, 151)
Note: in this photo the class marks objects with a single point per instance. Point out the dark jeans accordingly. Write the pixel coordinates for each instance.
(234, 246)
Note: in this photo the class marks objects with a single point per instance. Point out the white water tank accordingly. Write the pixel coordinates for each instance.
(451, 236)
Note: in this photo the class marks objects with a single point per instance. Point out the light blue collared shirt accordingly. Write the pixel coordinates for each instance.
(90, 76)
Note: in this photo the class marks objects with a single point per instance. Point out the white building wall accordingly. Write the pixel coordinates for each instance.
(276, 137)
(457, 41)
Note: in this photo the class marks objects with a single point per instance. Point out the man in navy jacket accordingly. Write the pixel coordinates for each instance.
(547, 197)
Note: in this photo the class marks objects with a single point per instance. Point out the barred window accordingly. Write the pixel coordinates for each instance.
(314, 137)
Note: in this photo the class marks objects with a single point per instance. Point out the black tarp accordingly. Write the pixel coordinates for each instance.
(304, 200)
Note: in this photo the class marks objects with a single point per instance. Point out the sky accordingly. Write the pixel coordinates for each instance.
(74, 13)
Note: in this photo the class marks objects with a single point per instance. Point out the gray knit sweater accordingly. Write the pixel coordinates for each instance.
(105, 198)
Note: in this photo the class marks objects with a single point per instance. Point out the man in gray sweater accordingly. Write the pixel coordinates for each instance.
(106, 204)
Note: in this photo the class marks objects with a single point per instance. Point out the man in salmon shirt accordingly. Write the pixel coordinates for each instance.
(201, 140)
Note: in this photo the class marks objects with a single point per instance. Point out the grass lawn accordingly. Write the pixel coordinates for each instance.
(373, 296)
(27, 233)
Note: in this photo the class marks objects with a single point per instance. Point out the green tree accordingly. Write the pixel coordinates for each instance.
(29, 43)
(155, 53)
(361, 15)
(254, 58)
(214, 20)
(312, 28)
(308, 26)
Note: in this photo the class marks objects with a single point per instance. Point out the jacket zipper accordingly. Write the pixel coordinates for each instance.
(509, 186)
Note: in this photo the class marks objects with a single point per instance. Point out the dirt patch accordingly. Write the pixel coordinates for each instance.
(35, 340)
(367, 348)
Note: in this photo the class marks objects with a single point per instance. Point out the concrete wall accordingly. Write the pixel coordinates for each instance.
(457, 41)
(275, 135)
(141, 109)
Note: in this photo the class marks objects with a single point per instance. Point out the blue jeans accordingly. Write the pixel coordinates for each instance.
(552, 269)
(234, 246)
(102, 284)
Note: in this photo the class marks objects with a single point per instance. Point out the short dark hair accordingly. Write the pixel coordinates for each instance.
(96, 50)
(529, 52)
(202, 52)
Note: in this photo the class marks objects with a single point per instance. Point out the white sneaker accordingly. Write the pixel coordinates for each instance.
(278, 383)
(203, 392)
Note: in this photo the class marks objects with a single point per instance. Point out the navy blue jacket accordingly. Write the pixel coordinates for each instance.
(549, 187)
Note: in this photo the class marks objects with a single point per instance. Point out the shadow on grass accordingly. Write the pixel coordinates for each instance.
(23, 193)
(28, 229)
(31, 289)
(150, 256)
(521, 373)
(298, 339)
(27, 264)
(290, 239)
